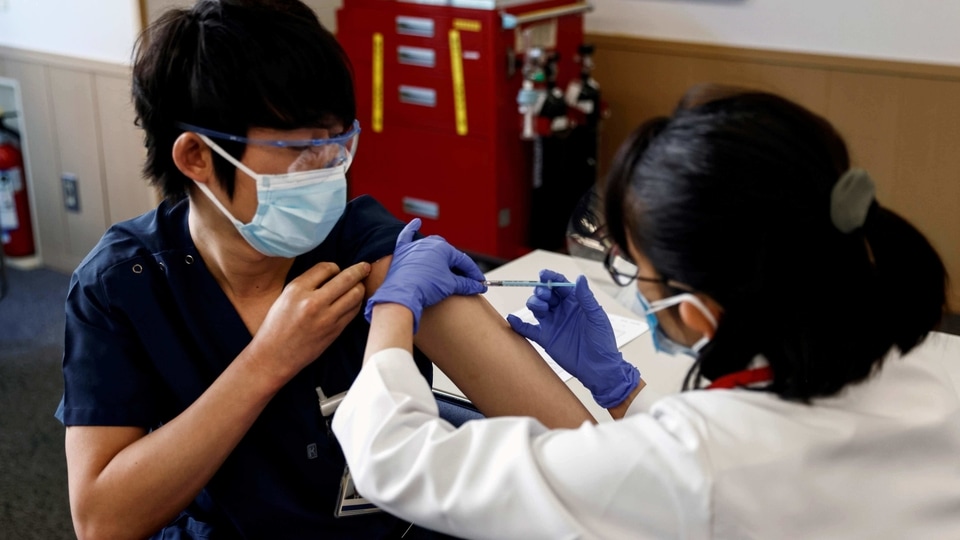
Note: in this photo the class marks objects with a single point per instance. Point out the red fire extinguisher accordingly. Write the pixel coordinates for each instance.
(16, 229)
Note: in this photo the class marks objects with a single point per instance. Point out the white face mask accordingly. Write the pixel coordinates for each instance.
(296, 210)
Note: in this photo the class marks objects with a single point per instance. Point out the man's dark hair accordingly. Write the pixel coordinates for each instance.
(731, 196)
(230, 65)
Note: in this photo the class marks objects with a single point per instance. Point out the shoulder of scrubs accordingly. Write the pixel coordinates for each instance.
(511, 477)
(365, 232)
(107, 380)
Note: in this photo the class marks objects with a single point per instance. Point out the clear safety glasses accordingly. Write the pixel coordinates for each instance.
(318, 153)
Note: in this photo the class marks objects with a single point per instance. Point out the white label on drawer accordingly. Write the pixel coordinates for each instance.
(416, 95)
(416, 56)
(422, 208)
(415, 26)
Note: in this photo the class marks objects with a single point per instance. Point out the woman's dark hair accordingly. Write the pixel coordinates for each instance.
(230, 65)
(731, 196)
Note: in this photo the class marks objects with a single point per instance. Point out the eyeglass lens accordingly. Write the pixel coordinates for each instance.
(621, 268)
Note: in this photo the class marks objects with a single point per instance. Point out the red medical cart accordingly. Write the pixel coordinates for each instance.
(436, 85)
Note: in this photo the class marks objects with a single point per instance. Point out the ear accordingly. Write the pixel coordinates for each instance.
(697, 320)
(192, 156)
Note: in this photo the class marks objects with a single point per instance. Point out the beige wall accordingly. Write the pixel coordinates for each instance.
(901, 120)
(77, 119)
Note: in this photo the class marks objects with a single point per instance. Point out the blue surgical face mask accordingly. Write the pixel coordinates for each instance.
(661, 341)
(296, 210)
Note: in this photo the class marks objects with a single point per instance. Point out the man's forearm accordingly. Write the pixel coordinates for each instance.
(137, 489)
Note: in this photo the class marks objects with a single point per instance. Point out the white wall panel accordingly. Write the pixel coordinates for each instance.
(75, 118)
(127, 192)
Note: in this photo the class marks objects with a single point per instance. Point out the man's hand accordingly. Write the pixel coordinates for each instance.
(309, 315)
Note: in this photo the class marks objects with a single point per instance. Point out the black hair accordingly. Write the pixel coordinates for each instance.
(731, 196)
(230, 65)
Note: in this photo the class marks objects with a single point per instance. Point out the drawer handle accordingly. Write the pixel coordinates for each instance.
(416, 95)
(415, 26)
(416, 56)
(422, 208)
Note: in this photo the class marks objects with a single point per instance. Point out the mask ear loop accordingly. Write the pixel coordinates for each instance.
(660, 305)
(206, 190)
(225, 155)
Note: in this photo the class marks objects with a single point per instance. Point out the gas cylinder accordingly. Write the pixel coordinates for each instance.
(16, 229)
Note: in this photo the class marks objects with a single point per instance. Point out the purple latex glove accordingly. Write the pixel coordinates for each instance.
(577, 334)
(422, 274)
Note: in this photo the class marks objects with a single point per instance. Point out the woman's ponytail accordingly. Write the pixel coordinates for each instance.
(909, 274)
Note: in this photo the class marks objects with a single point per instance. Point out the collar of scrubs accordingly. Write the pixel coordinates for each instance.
(746, 377)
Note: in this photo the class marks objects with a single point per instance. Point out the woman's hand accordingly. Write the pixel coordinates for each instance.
(577, 334)
(424, 272)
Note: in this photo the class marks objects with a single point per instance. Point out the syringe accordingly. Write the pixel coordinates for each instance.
(520, 283)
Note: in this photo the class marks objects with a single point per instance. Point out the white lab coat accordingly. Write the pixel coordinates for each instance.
(881, 460)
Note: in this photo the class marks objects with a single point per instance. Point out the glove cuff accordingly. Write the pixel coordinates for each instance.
(621, 381)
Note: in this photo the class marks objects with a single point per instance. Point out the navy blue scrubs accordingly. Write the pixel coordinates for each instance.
(148, 330)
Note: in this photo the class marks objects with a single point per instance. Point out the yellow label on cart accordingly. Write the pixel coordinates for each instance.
(377, 116)
(467, 25)
(459, 91)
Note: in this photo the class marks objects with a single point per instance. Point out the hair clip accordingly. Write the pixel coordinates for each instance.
(851, 199)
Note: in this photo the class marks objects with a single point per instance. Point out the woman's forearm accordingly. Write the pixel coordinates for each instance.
(390, 327)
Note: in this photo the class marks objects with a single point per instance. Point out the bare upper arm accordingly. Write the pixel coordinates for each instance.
(378, 272)
(496, 368)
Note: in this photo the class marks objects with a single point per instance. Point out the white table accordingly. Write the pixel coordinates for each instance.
(663, 373)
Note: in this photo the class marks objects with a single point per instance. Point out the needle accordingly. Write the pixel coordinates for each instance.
(519, 283)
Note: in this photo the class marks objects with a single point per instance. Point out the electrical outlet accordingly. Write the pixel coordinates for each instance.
(71, 193)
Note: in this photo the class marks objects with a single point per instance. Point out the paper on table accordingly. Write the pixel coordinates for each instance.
(624, 328)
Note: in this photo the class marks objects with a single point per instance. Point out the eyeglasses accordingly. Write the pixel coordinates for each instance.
(347, 139)
(624, 271)
(313, 153)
